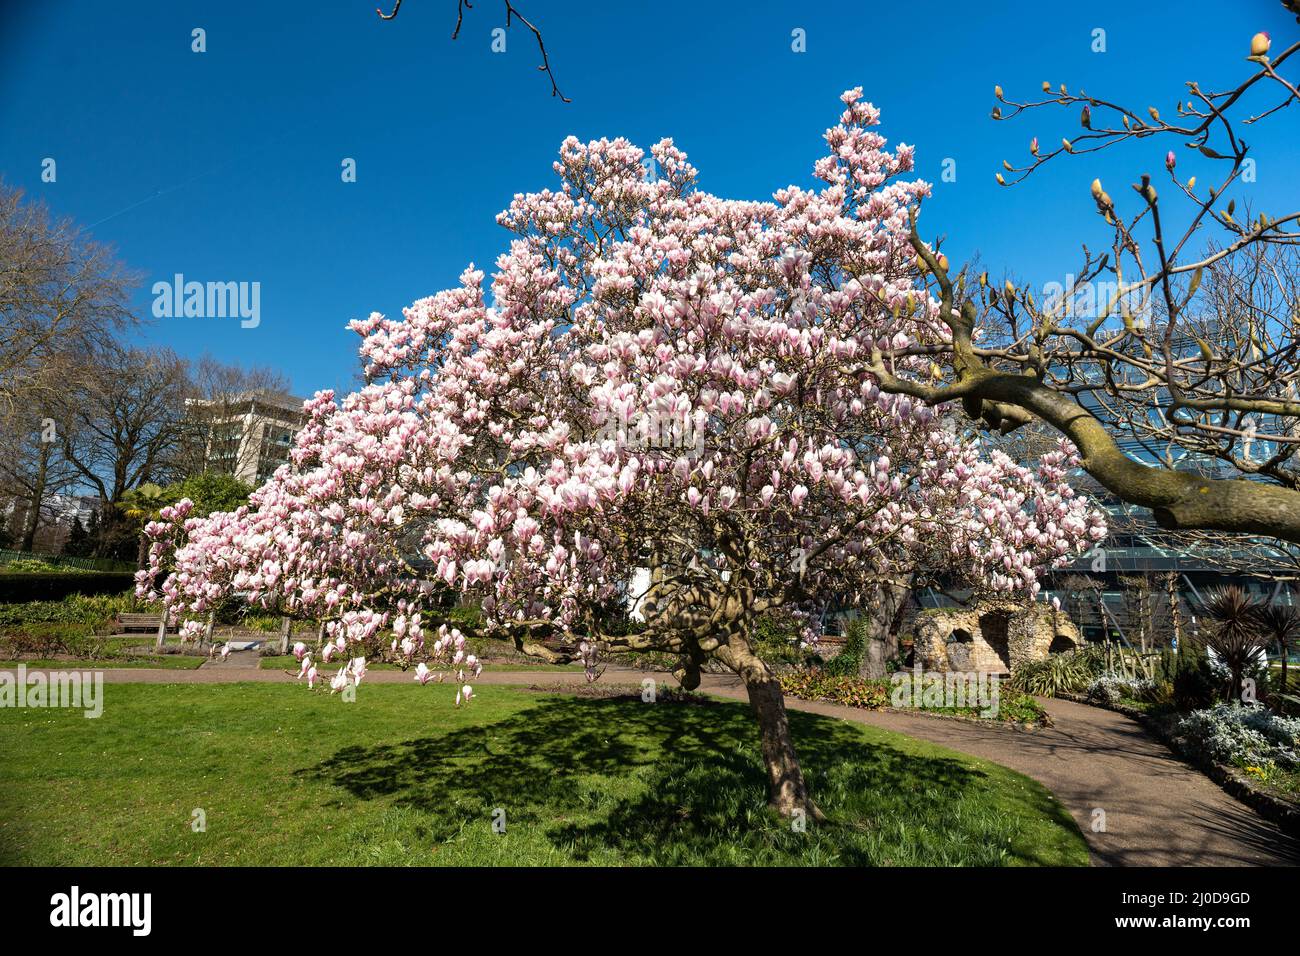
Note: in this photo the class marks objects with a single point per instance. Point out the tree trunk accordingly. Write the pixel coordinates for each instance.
(881, 620)
(286, 625)
(1171, 586)
(787, 790)
(162, 627)
(33, 516)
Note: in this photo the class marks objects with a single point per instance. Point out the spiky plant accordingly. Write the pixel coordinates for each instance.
(1069, 671)
(1233, 631)
(1281, 625)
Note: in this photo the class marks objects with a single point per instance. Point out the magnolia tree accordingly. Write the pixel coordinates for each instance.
(664, 380)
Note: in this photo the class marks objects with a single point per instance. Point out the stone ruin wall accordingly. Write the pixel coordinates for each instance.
(989, 638)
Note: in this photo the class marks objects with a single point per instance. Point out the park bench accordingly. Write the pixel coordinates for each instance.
(140, 622)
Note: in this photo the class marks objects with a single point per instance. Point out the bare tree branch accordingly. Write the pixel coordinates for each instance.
(1174, 372)
(512, 13)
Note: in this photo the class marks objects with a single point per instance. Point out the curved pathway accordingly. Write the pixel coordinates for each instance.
(1158, 810)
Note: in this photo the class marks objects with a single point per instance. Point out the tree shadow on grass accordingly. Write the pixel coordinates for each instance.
(682, 783)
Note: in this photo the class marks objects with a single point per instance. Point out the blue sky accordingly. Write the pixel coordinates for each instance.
(225, 165)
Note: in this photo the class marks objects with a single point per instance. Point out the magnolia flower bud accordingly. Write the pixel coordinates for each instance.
(1260, 43)
(1170, 160)
(997, 91)
(943, 262)
(1001, 181)
(1033, 145)
(1145, 190)
(1085, 118)
(1097, 191)
(1047, 87)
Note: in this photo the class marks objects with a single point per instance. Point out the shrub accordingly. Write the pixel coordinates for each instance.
(96, 612)
(818, 684)
(37, 566)
(852, 691)
(1016, 705)
(45, 640)
(1255, 669)
(1242, 735)
(1190, 676)
(470, 616)
(849, 660)
(1280, 623)
(1233, 633)
(1068, 672)
(1114, 688)
(776, 639)
(259, 621)
(51, 586)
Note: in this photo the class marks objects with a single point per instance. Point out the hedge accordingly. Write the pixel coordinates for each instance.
(20, 588)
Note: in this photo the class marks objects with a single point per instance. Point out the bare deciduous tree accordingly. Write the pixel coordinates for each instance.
(512, 14)
(62, 297)
(215, 396)
(33, 471)
(126, 427)
(1188, 358)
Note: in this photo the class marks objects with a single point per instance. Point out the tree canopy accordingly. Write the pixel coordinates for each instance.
(664, 379)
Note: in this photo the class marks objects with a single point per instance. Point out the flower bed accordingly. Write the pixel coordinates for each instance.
(1252, 738)
(1013, 706)
(1115, 689)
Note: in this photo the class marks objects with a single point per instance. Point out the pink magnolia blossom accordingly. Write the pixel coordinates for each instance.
(662, 374)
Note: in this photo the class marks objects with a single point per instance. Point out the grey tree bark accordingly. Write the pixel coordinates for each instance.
(787, 790)
(881, 619)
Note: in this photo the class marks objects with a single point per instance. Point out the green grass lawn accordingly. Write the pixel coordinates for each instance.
(182, 662)
(273, 662)
(402, 777)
